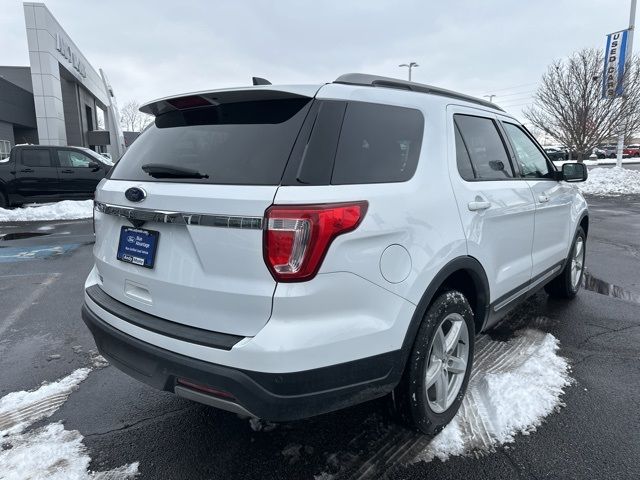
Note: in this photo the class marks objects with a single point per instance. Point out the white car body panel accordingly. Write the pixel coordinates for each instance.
(361, 251)
(554, 229)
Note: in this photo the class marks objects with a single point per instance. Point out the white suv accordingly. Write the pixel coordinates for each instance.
(285, 251)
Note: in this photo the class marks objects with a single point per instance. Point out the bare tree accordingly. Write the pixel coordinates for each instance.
(569, 107)
(132, 119)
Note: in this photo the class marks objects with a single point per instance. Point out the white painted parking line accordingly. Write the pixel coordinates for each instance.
(36, 274)
(15, 315)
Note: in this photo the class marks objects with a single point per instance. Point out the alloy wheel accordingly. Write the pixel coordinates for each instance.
(447, 365)
(577, 262)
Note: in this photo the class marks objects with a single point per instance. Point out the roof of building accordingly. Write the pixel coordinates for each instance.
(19, 76)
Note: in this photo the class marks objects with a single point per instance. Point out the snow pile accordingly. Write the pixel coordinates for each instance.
(18, 410)
(513, 386)
(64, 210)
(53, 453)
(49, 452)
(600, 161)
(611, 181)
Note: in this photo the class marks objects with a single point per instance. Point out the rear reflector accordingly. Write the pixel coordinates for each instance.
(205, 389)
(297, 237)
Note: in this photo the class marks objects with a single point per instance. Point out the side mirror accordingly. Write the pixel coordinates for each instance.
(574, 172)
(496, 165)
(95, 166)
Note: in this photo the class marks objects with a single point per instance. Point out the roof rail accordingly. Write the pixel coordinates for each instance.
(376, 81)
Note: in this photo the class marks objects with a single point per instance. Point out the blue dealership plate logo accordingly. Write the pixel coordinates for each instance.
(135, 194)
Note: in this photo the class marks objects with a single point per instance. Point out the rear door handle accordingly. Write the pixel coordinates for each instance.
(477, 206)
(543, 198)
(66, 171)
(26, 170)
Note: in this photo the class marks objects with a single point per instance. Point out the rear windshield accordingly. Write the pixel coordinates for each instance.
(243, 143)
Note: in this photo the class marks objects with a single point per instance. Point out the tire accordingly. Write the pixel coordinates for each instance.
(637, 154)
(421, 407)
(4, 203)
(567, 284)
(613, 155)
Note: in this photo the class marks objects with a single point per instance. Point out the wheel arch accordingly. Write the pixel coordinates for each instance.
(584, 223)
(463, 273)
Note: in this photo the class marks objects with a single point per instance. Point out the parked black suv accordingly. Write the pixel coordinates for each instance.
(38, 173)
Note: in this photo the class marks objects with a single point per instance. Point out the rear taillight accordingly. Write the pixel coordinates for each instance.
(297, 237)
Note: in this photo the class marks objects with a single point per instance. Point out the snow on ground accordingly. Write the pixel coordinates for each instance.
(601, 161)
(18, 410)
(513, 387)
(611, 181)
(64, 210)
(49, 452)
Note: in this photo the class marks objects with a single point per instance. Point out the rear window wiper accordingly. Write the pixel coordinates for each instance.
(161, 170)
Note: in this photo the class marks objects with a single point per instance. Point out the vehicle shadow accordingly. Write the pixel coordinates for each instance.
(187, 440)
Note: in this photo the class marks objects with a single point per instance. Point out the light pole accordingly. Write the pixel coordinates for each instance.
(490, 97)
(629, 55)
(410, 65)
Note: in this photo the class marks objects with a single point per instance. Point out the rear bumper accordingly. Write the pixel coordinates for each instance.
(271, 396)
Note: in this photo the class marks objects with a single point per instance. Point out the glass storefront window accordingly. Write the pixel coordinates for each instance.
(100, 118)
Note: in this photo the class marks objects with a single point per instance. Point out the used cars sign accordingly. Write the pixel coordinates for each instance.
(614, 63)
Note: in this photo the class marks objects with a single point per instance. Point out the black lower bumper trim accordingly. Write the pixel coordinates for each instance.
(159, 325)
(277, 397)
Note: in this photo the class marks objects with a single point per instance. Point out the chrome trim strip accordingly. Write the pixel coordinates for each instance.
(526, 288)
(544, 277)
(180, 218)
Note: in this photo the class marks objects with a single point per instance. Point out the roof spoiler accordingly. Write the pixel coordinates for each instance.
(220, 97)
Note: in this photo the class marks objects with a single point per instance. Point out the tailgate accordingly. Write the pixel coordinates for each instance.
(209, 270)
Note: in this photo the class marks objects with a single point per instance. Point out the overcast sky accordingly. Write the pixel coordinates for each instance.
(153, 48)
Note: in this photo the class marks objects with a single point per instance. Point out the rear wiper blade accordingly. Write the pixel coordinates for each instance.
(161, 170)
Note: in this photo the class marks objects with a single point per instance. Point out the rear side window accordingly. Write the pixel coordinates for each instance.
(72, 159)
(32, 157)
(485, 147)
(241, 143)
(319, 146)
(378, 144)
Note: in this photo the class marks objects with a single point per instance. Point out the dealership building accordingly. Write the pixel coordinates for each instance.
(59, 99)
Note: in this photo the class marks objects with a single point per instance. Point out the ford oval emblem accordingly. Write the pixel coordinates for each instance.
(135, 194)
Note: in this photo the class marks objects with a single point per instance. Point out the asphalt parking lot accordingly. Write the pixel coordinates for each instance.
(595, 435)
